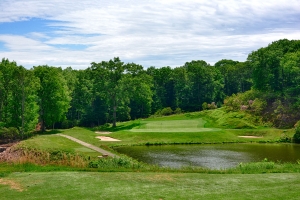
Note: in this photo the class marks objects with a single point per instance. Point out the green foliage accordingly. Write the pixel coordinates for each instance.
(116, 163)
(296, 137)
(251, 101)
(68, 124)
(258, 167)
(276, 73)
(53, 95)
(166, 111)
(112, 91)
(204, 106)
(177, 111)
(117, 83)
(237, 76)
(103, 127)
(18, 99)
(271, 68)
(10, 133)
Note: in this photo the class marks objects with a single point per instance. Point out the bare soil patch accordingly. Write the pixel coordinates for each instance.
(249, 136)
(103, 132)
(8, 153)
(12, 184)
(104, 138)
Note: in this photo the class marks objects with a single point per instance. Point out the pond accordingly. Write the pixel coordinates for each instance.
(213, 156)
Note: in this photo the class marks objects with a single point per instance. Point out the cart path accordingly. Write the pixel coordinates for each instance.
(102, 151)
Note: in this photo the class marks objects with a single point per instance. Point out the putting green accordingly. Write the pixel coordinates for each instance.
(196, 125)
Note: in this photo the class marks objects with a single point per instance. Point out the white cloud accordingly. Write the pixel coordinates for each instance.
(151, 33)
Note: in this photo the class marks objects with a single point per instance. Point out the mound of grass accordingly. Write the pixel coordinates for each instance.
(53, 143)
(232, 120)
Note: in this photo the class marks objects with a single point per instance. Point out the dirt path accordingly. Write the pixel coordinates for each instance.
(102, 151)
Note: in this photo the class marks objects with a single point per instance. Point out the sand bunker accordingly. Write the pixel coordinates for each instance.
(103, 132)
(249, 136)
(104, 138)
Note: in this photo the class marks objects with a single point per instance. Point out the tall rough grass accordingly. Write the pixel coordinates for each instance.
(55, 157)
(117, 163)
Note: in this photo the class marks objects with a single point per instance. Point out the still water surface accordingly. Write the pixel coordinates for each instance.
(216, 156)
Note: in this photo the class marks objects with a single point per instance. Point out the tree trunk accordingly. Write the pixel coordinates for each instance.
(43, 127)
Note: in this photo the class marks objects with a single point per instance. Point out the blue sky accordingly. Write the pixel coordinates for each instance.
(151, 33)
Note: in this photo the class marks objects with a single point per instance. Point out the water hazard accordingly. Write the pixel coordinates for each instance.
(217, 156)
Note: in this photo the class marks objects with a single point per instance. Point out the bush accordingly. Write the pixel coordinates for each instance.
(244, 101)
(212, 106)
(158, 113)
(178, 111)
(9, 133)
(204, 106)
(296, 136)
(166, 111)
(258, 105)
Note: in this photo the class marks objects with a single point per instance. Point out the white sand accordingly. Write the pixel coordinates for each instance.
(248, 136)
(104, 138)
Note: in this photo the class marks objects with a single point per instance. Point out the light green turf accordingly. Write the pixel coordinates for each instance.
(192, 125)
(118, 185)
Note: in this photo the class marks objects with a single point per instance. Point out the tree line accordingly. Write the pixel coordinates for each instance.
(111, 91)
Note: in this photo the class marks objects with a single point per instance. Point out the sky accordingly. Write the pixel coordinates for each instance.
(156, 33)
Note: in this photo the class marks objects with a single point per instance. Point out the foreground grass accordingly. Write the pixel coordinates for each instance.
(89, 185)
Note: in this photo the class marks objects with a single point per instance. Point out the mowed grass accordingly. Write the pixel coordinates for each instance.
(133, 185)
(57, 143)
(191, 125)
(191, 128)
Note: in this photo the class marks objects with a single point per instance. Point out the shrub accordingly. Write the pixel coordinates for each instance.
(166, 111)
(233, 102)
(258, 105)
(204, 106)
(103, 127)
(212, 106)
(9, 133)
(296, 136)
(244, 102)
(178, 111)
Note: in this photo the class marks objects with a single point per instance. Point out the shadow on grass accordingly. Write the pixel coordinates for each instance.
(49, 132)
(124, 127)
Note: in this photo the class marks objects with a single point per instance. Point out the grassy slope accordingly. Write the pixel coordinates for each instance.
(214, 126)
(78, 185)
(57, 143)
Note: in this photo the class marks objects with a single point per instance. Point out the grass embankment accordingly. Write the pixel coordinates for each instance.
(51, 150)
(75, 185)
(214, 126)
